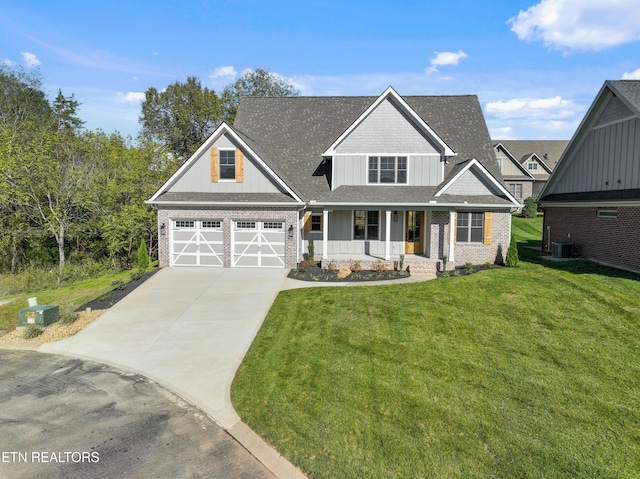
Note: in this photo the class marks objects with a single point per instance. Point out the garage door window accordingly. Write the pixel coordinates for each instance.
(273, 225)
(211, 224)
(184, 224)
(245, 225)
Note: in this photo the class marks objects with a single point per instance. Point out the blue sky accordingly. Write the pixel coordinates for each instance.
(535, 65)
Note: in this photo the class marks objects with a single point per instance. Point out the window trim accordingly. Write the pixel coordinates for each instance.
(318, 222)
(378, 158)
(367, 224)
(532, 166)
(235, 166)
(469, 227)
(514, 192)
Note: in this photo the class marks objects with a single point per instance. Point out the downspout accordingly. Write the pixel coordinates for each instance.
(452, 217)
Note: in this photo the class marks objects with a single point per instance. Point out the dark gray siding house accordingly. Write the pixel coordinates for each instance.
(592, 200)
(359, 178)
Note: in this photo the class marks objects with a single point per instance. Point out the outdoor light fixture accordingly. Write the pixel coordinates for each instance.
(162, 229)
(290, 231)
(395, 216)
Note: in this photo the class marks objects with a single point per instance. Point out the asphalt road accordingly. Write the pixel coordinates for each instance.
(67, 418)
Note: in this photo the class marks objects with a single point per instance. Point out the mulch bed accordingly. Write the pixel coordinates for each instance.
(105, 301)
(321, 275)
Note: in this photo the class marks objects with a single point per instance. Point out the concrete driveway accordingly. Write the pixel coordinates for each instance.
(188, 329)
(71, 418)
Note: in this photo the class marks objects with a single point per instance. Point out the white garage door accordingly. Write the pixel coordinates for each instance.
(258, 244)
(197, 243)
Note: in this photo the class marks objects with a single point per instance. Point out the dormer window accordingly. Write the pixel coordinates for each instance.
(227, 164)
(532, 166)
(387, 169)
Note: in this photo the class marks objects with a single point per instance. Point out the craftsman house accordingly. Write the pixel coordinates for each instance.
(527, 164)
(592, 200)
(359, 178)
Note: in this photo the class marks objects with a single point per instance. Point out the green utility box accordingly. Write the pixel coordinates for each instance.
(40, 315)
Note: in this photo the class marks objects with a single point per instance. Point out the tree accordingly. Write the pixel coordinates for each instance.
(143, 256)
(64, 110)
(258, 82)
(530, 209)
(512, 259)
(22, 101)
(180, 117)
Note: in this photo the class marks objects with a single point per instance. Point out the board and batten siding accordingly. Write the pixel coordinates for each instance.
(198, 177)
(606, 160)
(422, 170)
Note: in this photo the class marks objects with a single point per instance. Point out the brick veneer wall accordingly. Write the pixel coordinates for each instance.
(476, 253)
(612, 241)
(227, 215)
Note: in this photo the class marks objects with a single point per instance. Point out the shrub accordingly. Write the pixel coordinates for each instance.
(310, 248)
(355, 267)
(143, 256)
(32, 331)
(445, 258)
(530, 209)
(118, 285)
(306, 265)
(488, 265)
(379, 267)
(135, 275)
(512, 254)
(468, 267)
(331, 267)
(68, 317)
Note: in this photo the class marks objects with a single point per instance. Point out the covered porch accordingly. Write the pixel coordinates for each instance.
(419, 237)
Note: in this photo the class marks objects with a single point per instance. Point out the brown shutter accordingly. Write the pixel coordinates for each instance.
(488, 227)
(307, 221)
(239, 166)
(214, 165)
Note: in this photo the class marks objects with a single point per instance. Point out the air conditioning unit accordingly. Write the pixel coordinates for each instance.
(562, 250)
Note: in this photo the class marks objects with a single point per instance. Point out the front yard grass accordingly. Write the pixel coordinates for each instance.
(530, 372)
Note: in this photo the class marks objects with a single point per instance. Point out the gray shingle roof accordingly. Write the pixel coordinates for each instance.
(217, 198)
(402, 195)
(523, 149)
(629, 89)
(291, 133)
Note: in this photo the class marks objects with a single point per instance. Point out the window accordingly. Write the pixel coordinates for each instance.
(470, 228)
(316, 223)
(211, 224)
(516, 189)
(499, 162)
(273, 225)
(607, 214)
(366, 225)
(227, 164)
(387, 169)
(184, 224)
(532, 166)
(246, 225)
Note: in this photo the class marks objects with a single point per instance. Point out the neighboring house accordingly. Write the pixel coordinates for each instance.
(361, 178)
(526, 164)
(592, 200)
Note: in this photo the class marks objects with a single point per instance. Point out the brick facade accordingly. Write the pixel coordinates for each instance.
(227, 215)
(612, 241)
(477, 253)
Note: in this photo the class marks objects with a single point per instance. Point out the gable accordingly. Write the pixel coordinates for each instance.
(614, 110)
(387, 129)
(199, 177)
(472, 183)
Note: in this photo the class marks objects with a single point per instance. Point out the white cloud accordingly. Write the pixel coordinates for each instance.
(502, 133)
(223, 72)
(555, 108)
(634, 75)
(133, 97)
(445, 58)
(579, 25)
(30, 59)
(8, 63)
(155, 54)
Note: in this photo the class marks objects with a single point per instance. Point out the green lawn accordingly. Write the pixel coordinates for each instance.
(530, 372)
(68, 298)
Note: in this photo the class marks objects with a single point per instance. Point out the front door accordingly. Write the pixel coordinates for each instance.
(413, 233)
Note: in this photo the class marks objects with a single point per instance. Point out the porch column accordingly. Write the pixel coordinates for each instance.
(325, 234)
(452, 233)
(387, 236)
